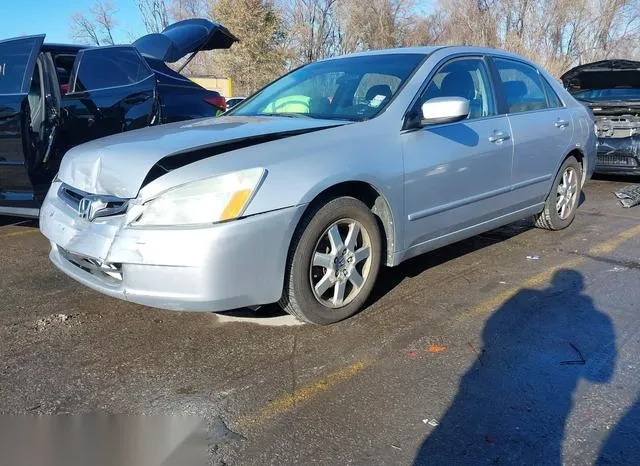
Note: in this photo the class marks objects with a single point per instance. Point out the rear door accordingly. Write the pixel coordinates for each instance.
(111, 90)
(542, 128)
(17, 63)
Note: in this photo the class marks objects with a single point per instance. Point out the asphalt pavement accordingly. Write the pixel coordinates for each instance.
(519, 346)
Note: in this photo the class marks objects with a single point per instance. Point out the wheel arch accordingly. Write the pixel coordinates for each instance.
(373, 198)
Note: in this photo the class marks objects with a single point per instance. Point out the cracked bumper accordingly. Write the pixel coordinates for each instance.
(218, 267)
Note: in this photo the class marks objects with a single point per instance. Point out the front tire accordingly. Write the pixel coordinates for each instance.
(562, 203)
(333, 262)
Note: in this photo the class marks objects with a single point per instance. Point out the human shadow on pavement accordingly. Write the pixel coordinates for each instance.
(623, 444)
(513, 402)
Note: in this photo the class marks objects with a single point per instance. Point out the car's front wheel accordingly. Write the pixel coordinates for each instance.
(333, 262)
(562, 202)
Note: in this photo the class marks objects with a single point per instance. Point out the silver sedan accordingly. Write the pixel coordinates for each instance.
(304, 190)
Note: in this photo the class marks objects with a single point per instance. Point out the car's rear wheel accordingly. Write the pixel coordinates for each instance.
(333, 262)
(562, 203)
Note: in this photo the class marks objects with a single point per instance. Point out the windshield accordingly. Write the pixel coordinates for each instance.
(351, 88)
(618, 93)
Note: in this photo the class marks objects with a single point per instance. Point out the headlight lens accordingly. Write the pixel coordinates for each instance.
(211, 200)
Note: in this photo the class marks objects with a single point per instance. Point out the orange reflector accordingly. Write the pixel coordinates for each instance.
(235, 205)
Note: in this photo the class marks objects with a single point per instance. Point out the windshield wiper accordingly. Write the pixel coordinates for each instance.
(286, 115)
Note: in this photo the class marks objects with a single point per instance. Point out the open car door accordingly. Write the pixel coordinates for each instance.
(111, 90)
(22, 113)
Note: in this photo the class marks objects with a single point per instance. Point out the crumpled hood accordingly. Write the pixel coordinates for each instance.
(604, 74)
(117, 165)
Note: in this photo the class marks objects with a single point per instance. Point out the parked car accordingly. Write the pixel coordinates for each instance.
(611, 89)
(53, 97)
(233, 101)
(304, 190)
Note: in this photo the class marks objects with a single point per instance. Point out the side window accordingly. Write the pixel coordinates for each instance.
(15, 55)
(552, 98)
(521, 85)
(464, 77)
(102, 68)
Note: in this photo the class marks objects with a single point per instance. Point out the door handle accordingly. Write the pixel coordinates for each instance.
(561, 123)
(498, 137)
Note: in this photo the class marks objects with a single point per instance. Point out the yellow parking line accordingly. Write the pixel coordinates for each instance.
(612, 244)
(20, 233)
(286, 402)
(537, 280)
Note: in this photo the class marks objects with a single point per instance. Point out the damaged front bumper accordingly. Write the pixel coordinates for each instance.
(618, 155)
(218, 267)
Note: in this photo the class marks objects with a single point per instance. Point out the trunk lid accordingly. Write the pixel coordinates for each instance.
(183, 38)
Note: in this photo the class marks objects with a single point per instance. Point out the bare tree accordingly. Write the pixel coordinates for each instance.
(183, 9)
(279, 34)
(155, 14)
(98, 28)
(312, 32)
(83, 30)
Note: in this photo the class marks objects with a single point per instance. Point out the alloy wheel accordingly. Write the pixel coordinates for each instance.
(567, 195)
(340, 263)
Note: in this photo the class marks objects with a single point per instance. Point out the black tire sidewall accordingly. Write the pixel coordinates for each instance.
(334, 210)
(556, 222)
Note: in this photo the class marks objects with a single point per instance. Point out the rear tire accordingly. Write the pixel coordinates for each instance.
(562, 203)
(333, 262)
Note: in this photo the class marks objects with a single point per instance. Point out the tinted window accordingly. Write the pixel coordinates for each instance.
(14, 58)
(552, 98)
(109, 67)
(351, 88)
(521, 86)
(467, 78)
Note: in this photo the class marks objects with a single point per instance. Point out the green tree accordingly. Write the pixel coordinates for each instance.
(260, 56)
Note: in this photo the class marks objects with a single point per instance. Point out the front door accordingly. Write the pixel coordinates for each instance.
(21, 108)
(457, 175)
(111, 90)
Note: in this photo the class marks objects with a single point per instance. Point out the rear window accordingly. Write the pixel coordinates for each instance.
(14, 58)
(109, 67)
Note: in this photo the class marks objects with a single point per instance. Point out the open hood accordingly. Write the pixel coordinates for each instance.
(183, 38)
(605, 74)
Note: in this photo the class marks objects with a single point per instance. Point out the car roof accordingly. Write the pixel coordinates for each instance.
(428, 50)
(71, 48)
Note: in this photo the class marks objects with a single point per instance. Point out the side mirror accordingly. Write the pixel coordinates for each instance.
(444, 110)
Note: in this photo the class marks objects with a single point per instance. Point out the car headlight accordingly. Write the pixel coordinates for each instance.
(206, 201)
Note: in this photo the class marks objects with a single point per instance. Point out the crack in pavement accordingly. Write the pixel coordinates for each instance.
(609, 260)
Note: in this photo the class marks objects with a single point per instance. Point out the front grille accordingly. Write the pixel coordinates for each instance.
(111, 273)
(617, 161)
(97, 205)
